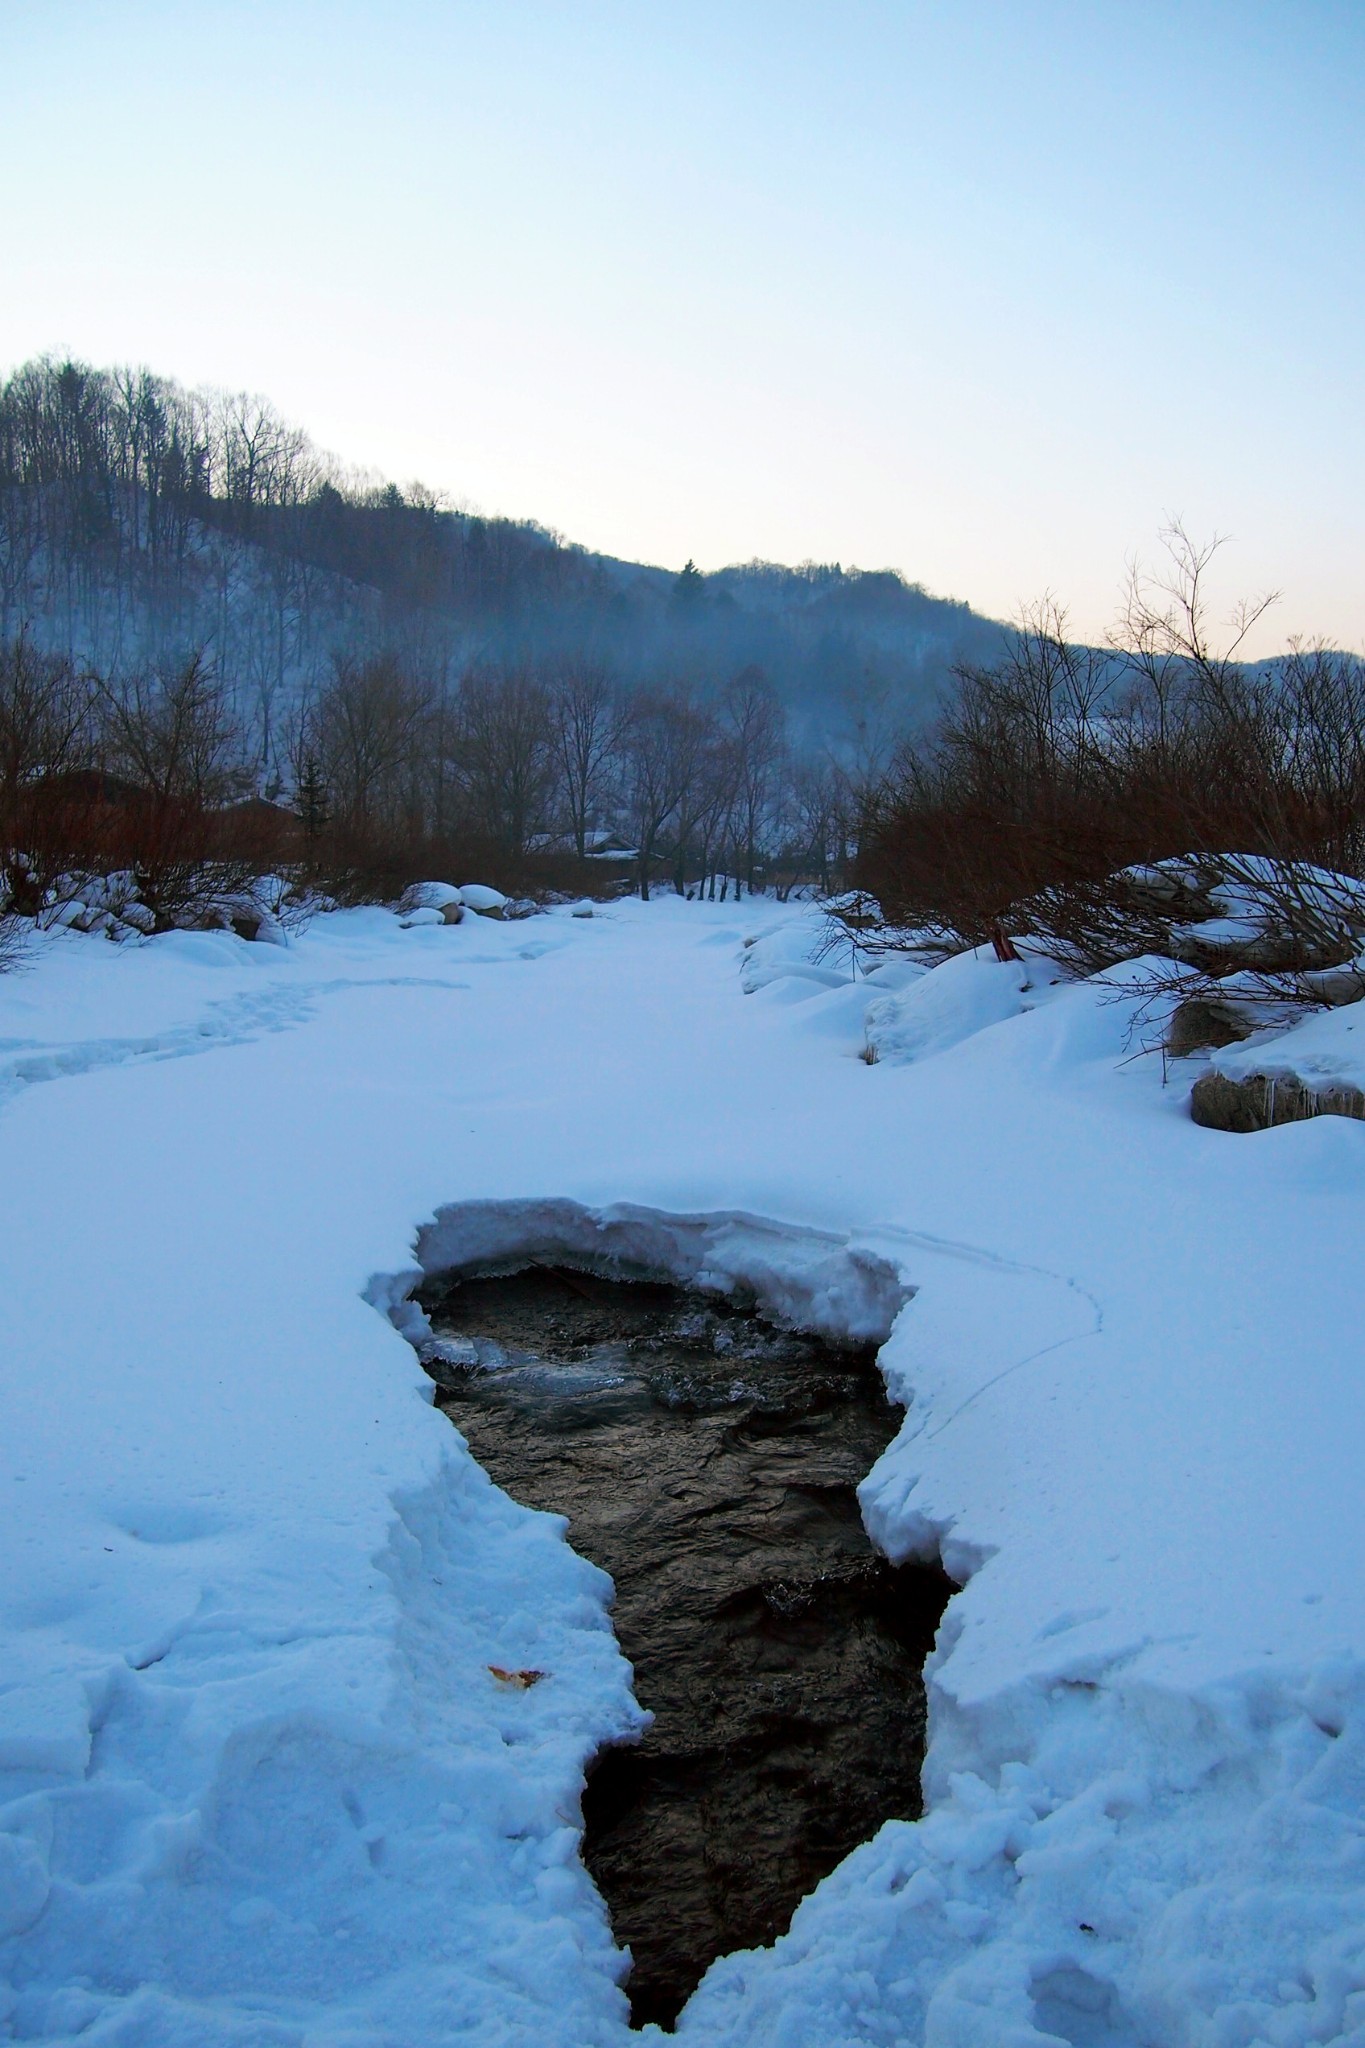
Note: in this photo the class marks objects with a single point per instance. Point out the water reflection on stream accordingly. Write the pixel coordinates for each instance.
(708, 1462)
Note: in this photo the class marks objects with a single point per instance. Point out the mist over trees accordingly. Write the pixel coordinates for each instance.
(537, 780)
(200, 612)
(141, 522)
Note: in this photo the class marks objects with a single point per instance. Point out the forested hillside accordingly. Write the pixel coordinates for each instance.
(140, 522)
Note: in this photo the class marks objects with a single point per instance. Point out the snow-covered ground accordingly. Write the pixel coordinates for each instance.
(258, 1784)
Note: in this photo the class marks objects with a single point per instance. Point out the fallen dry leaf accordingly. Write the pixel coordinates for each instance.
(521, 1678)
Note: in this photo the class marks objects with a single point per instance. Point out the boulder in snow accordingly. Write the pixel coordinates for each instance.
(252, 920)
(431, 903)
(1257, 1102)
(488, 902)
(1202, 1021)
(442, 896)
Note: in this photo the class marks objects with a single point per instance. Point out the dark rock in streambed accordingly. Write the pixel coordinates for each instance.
(708, 1462)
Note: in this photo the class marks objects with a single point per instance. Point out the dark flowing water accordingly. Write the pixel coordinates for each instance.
(708, 1462)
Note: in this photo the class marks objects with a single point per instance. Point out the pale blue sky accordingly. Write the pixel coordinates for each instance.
(980, 291)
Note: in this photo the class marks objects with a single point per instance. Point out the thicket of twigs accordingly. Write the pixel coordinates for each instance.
(96, 781)
(534, 782)
(1156, 796)
(1051, 785)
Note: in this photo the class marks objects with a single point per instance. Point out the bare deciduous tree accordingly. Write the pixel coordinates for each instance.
(505, 752)
(46, 730)
(755, 730)
(587, 720)
(651, 761)
(365, 732)
(174, 733)
(173, 736)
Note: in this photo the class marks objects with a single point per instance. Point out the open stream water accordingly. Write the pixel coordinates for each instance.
(708, 1462)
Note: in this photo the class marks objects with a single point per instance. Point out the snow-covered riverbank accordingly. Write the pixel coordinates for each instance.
(257, 1783)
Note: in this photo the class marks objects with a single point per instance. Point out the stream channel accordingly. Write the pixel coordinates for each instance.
(708, 1461)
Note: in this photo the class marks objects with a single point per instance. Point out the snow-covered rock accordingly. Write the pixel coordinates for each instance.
(1201, 1021)
(440, 896)
(1228, 914)
(251, 919)
(1258, 1102)
(488, 902)
(1315, 1067)
(1324, 1049)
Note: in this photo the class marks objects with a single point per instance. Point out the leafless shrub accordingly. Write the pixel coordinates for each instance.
(1057, 783)
(173, 742)
(46, 734)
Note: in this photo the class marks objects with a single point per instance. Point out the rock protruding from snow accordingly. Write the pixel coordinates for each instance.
(1244, 913)
(488, 902)
(1257, 1102)
(1316, 1067)
(1201, 1022)
(253, 920)
(113, 905)
(442, 898)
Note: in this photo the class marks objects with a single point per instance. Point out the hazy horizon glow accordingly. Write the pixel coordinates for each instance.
(981, 292)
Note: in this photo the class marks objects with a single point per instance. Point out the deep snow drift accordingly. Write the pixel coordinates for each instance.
(258, 1783)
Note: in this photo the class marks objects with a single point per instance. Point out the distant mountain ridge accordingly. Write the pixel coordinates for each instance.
(139, 519)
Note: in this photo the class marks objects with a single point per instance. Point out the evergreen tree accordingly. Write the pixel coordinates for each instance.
(689, 588)
(310, 800)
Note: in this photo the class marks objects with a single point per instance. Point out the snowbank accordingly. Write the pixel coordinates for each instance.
(793, 950)
(956, 1000)
(258, 1783)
